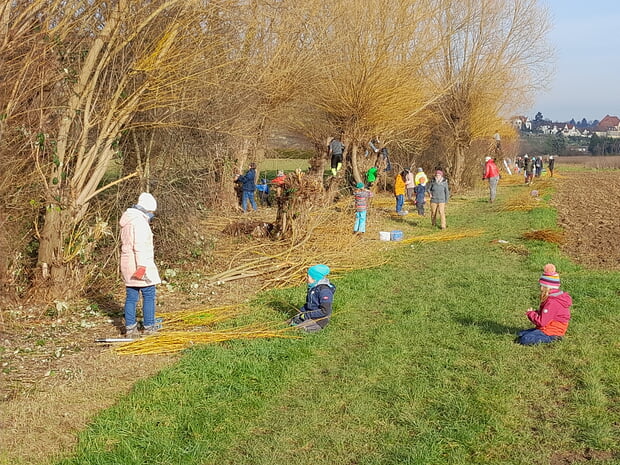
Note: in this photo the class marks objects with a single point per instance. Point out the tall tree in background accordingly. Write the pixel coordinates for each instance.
(369, 83)
(488, 65)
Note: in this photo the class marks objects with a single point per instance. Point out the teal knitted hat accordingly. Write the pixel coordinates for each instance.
(318, 272)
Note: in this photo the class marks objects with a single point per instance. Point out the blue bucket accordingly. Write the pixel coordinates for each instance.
(396, 235)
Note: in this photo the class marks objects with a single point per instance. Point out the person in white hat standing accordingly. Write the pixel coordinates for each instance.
(137, 264)
(492, 174)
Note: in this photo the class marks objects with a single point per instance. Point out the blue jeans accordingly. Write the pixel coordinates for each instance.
(400, 201)
(244, 200)
(148, 305)
(530, 337)
(360, 222)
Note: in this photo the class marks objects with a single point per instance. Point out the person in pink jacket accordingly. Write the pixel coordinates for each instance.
(138, 268)
(553, 314)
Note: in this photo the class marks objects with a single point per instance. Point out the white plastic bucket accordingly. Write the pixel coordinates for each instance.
(384, 235)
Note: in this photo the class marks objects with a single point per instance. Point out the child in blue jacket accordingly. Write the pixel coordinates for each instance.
(317, 310)
(420, 193)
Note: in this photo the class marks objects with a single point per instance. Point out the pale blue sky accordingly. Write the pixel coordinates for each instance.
(586, 83)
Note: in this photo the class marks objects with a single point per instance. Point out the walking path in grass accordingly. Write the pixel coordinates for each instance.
(418, 366)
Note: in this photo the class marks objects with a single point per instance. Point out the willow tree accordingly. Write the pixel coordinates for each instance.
(269, 74)
(111, 61)
(369, 83)
(492, 58)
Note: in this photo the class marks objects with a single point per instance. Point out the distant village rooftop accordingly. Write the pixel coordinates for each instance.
(609, 126)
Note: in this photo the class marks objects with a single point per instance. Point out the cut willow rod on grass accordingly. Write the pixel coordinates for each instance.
(171, 342)
(203, 316)
(440, 237)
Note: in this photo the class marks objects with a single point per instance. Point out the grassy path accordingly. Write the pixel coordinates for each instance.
(418, 367)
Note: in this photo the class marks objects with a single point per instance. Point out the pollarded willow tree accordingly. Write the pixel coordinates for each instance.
(111, 61)
(269, 73)
(369, 83)
(493, 57)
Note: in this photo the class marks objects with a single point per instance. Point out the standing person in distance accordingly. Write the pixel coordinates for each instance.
(361, 207)
(335, 151)
(420, 197)
(248, 186)
(492, 174)
(529, 169)
(399, 192)
(439, 193)
(538, 166)
(137, 264)
(410, 185)
(551, 165)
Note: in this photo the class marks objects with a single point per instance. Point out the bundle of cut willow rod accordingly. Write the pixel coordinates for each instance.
(175, 341)
(442, 236)
(523, 202)
(201, 316)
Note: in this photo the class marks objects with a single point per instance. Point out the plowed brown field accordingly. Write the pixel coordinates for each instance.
(588, 205)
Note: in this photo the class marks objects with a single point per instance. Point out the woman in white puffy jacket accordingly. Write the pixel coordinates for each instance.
(138, 268)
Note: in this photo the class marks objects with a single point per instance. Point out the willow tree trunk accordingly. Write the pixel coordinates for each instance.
(51, 257)
(355, 169)
(458, 165)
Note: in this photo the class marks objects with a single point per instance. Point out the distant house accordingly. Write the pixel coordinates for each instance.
(546, 129)
(609, 123)
(608, 127)
(522, 123)
(570, 130)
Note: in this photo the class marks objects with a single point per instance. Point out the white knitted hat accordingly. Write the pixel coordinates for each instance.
(147, 201)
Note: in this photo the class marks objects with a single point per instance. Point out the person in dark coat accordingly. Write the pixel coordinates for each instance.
(248, 186)
(317, 311)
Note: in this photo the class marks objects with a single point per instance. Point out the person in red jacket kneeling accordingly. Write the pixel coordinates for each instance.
(553, 314)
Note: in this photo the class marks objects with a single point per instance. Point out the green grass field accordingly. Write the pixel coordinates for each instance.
(272, 165)
(418, 366)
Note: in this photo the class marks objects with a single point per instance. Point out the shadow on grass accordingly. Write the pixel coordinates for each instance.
(490, 326)
(282, 307)
(110, 306)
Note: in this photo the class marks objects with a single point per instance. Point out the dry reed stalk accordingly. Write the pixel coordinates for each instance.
(329, 239)
(546, 235)
(514, 180)
(384, 202)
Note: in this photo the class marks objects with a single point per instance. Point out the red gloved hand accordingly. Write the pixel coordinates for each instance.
(140, 272)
